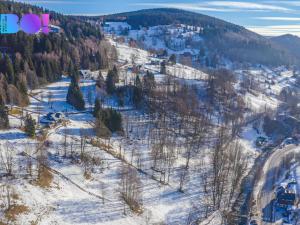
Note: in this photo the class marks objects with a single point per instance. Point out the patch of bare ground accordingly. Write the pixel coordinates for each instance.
(87, 175)
(15, 111)
(13, 212)
(100, 144)
(134, 206)
(44, 178)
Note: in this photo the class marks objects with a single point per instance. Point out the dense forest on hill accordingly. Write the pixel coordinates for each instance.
(290, 42)
(165, 16)
(225, 39)
(28, 61)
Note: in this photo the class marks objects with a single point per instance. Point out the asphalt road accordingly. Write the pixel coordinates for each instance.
(264, 188)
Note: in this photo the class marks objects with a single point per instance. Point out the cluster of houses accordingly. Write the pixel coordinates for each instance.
(118, 28)
(183, 40)
(286, 199)
(179, 37)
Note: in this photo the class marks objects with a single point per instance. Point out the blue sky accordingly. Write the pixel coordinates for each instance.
(267, 17)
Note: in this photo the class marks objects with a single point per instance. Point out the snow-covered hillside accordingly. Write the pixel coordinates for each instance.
(79, 191)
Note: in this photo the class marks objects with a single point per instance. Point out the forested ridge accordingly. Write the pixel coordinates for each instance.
(29, 61)
(223, 38)
(290, 42)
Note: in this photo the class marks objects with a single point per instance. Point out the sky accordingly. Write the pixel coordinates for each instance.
(267, 17)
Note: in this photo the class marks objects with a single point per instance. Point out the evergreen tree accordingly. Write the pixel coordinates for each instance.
(172, 59)
(115, 121)
(17, 64)
(214, 61)
(202, 52)
(110, 82)
(48, 46)
(41, 71)
(115, 74)
(74, 96)
(101, 130)
(4, 121)
(100, 82)
(110, 118)
(97, 108)
(71, 69)
(22, 87)
(207, 63)
(163, 69)
(30, 126)
(137, 92)
(49, 72)
(148, 82)
(9, 70)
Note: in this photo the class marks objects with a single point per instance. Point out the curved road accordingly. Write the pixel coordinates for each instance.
(264, 187)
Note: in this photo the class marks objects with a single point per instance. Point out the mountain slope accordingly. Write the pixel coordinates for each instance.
(226, 39)
(34, 60)
(290, 42)
(164, 16)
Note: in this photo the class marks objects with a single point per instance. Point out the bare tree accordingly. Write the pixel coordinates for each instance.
(87, 163)
(229, 165)
(50, 99)
(29, 162)
(7, 158)
(44, 175)
(90, 96)
(65, 139)
(133, 58)
(131, 188)
(183, 173)
(6, 192)
(83, 140)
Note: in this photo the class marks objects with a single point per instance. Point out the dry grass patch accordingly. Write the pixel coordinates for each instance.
(14, 211)
(87, 175)
(100, 144)
(15, 111)
(45, 178)
(42, 137)
(15, 196)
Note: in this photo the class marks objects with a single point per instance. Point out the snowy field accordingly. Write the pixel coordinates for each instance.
(74, 196)
(77, 199)
(73, 200)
